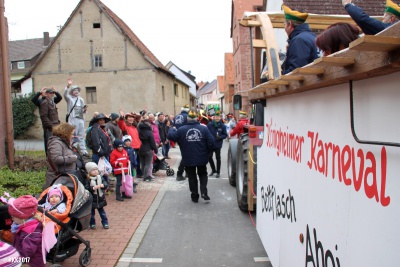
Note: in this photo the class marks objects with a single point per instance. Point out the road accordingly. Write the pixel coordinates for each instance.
(214, 233)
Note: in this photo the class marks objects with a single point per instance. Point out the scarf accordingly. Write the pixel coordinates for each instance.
(15, 227)
(96, 180)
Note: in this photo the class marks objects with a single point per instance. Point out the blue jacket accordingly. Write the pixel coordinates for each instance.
(220, 129)
(131, 155)
(180, 119)
(195, 141)
(301, 49)
(367, 24)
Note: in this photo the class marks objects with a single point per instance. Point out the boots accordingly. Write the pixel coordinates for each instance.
(118, 193)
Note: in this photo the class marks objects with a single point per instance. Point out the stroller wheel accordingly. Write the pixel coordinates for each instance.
(170, 172)
(85, 258)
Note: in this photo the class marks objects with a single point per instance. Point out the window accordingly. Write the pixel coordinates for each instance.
(98, 61)
(91, 95)
(96, 25)
(176, 89)
(163, 93)
(182, 92)
(21, 65)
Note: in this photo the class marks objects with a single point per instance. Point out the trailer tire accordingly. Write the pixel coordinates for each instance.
(232, 151)
(241, 172)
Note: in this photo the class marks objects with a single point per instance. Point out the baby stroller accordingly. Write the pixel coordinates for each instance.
(159, 163)
(76, 219)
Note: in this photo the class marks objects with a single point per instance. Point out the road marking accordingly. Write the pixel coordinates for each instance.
(261, 259)
(142, 260)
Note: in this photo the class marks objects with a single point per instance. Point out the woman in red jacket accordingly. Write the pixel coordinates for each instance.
(119, 160)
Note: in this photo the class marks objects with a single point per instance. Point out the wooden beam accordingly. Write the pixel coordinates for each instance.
(279, 82)
(309, 71)
(375, 43)
(259, 43)
(292, 77)
(334, 61)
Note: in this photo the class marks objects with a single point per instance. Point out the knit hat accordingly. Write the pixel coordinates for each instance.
(294, 14)
(54, 191)
(91, 166)
(114, 116)
(392, 8)
(8, 252)
(192, 114)
(118, 143)
(126, 138)
(23, 207)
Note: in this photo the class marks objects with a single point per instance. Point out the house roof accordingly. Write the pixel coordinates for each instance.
(25, 49)
(221, 84)
(330, 7)
(207, 89)
(187, 74)
(148, 55)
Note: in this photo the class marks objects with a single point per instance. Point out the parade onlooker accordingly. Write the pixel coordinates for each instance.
(171, 119)
(196, 143)
(76, 109)
(27, 229)
(301, 48)
(371, 25)
(101, 141)
(148, 147)
(218, 131)
(60, 156)
(48, 114)
(239, 125)
(120, 162)
(179, 121)
(96, 185)
(113, 127)
(127, 140)
(163, 132)
(41, 95)
(336, 37)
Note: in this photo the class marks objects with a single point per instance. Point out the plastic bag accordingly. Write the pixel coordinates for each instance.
(104, 167)
(127, 183)
(160, 155)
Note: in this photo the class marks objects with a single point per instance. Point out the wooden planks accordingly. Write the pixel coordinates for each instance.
(375, 43)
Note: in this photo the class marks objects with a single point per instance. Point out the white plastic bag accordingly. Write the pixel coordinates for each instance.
(159, 153)
(104, 167)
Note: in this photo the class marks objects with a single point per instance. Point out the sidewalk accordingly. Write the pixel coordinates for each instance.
(124, 219)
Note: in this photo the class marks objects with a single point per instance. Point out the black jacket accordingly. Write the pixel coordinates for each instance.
(162, 131)
(36, 99)
(101, 141)
(147, 137)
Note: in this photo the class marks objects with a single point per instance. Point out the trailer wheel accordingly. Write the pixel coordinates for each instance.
(232, 151)
(241, 172)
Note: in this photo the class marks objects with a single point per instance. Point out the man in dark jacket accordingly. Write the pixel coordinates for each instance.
(179, 121)
(147, 148)
(163, 132)
(218, 131)
(48, 114)
(301, 48)
(41, 95)
(196, 144)
(101, 141)
(370, 25)
(112, 126)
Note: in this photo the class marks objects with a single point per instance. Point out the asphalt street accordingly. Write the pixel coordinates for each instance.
(208, 233)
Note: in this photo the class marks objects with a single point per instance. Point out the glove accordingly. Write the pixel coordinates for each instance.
(345, 2)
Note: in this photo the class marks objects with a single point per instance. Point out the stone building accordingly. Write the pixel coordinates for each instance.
(113, 68)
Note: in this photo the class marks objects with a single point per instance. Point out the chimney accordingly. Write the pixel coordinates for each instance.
(46, 39)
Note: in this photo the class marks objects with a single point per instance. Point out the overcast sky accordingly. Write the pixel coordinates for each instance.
(194, 34)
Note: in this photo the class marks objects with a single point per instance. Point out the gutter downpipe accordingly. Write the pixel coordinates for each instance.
(7, 87)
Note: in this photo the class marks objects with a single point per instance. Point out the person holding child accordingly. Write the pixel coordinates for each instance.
(27, 229)
(96, 185)
(54, 200)
(119, 161)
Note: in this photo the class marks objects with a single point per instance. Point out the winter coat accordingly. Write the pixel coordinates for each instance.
(131, 156)
(60, 158)
(132, 131)
(180, 119)
(114, 129)
(28, 242)
(195, 141)
(301, 49)
(367, 24)
(163, 131)
(38, 98)
(239, 127)
(147, 137)
(118, 157)
(98, 201)
(77, 110)
(156, 134)
(101, 141)
(218, 131)
(48, 114)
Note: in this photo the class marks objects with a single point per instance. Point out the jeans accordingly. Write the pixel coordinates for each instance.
(193, 184)
(146, 159)
(218, 158)
(165, 149)
(102, 214)
(118, 186)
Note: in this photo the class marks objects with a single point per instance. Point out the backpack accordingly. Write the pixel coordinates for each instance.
(88, 138)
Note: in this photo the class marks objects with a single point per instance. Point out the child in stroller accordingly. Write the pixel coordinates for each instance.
(159, 163)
